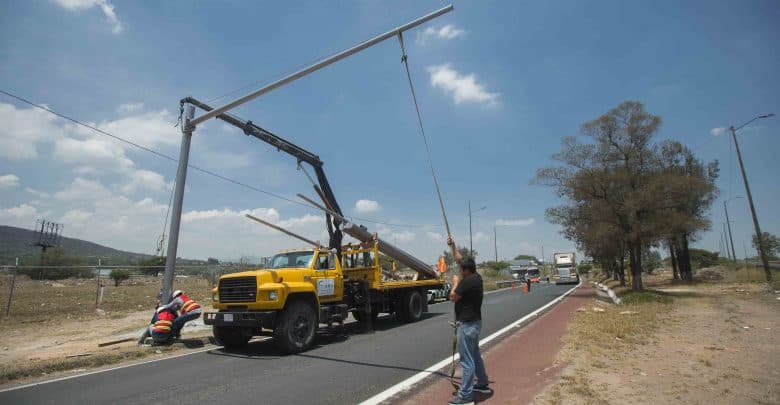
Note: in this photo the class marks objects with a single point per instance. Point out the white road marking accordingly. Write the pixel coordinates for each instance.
(409, 382)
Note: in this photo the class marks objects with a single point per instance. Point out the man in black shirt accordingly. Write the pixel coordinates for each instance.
(467, 295)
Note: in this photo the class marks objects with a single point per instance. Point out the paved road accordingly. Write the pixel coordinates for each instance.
(337, 371)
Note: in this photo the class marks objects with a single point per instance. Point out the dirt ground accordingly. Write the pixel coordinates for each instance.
(712, 343)
(53, 321)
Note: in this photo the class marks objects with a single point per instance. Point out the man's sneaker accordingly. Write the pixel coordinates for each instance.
(457, 400)
(483, 389)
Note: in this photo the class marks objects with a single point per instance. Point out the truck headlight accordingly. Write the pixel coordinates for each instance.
(272, 295)
(215, 297)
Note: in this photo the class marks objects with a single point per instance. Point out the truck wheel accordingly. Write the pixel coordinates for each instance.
(411, 307)
(360, 316)
(294, 330)
(230, 337)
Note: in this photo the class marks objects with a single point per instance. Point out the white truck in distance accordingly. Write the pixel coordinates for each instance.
(565, 268)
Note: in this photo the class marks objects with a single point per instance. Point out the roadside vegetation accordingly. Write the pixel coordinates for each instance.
(706, 341)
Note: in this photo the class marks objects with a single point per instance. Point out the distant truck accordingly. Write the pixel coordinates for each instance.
(565, 268)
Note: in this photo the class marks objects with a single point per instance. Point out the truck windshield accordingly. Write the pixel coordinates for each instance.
(291, 259)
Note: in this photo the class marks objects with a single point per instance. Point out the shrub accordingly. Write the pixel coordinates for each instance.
(119, 275)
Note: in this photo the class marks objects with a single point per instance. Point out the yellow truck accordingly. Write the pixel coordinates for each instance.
(302, 289)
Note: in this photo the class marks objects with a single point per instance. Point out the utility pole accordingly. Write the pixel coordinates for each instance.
(495, 243)
(726, 241)
(731, 239)
(761, 250)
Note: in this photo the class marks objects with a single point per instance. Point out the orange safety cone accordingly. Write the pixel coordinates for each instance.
(513, 285)
(525, 288)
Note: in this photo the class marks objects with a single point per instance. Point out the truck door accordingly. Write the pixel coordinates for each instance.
(328, 282)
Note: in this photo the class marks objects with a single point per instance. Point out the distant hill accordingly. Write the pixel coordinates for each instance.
(17, 242)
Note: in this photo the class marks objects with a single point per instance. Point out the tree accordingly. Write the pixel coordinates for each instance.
(623, 194)
(152, 266)
(119, 275)
(771, 244)
(701, 258)
(526, 257)
(56, 264)
(651, 260)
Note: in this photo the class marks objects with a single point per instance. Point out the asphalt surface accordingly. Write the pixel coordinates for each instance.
(338, 370)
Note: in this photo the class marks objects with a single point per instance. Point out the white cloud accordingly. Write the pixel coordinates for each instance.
(37, 193)
(367, 206)
(23, 128)
(23, 215)
(402, 236)
(92, 152)
(129, 108)
(463, 88)
(105, 6)
(150, 128)
(718, 131)
(434, 236)
(448, 31)
(82, 190)
(9, 181)
(146, 180)
(515, 222)
(75, 216)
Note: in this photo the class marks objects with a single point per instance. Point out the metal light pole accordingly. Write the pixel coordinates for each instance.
(728, 224)
(190, 122)
(495, 242)
(471, 238)
(726, 241)
(761, 251)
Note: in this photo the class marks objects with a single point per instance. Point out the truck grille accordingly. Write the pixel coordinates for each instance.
(238, 289)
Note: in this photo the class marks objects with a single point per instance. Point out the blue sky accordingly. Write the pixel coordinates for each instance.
(499, 84)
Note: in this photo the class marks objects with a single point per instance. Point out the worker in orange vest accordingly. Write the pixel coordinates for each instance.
(189, 310)
(160, 328)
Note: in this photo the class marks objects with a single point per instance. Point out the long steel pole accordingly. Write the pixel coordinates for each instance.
(761, 251)
(495, 243)
(731, 239)
(471, 239)
(178, 200)
(321, 64)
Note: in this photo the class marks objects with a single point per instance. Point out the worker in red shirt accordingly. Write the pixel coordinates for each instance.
(187, 307)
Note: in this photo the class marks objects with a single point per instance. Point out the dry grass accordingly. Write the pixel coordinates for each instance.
(37, 301)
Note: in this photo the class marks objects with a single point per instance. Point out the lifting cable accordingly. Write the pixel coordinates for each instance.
(425, 139)
(438, 192)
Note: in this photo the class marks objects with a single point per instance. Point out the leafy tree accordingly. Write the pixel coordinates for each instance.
(152, 266)
(119, 275)
(624, 194)
(526, 257)
(701, 258)
(771, 244)
(651, 260)
(56, 264)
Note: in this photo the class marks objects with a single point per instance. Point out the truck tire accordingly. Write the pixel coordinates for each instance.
(230, 337)
(295, 327)
(411, 307)
(360, 316)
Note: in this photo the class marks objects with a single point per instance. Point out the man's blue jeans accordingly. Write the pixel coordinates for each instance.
(179, 322)
(470, 358)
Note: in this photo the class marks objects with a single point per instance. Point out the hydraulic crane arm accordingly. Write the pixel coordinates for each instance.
(302, 155)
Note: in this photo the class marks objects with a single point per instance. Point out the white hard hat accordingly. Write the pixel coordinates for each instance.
(160, 308)
(176, 293)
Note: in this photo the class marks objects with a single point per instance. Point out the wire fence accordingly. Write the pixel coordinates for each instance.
(46, 292)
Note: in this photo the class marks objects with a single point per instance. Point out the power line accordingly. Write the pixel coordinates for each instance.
(200, 169)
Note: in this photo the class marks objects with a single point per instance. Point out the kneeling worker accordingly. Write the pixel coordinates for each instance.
(160, 327)
(189, 310)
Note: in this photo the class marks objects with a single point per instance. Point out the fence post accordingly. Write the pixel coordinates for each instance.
(97, 284)
(11, 293)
